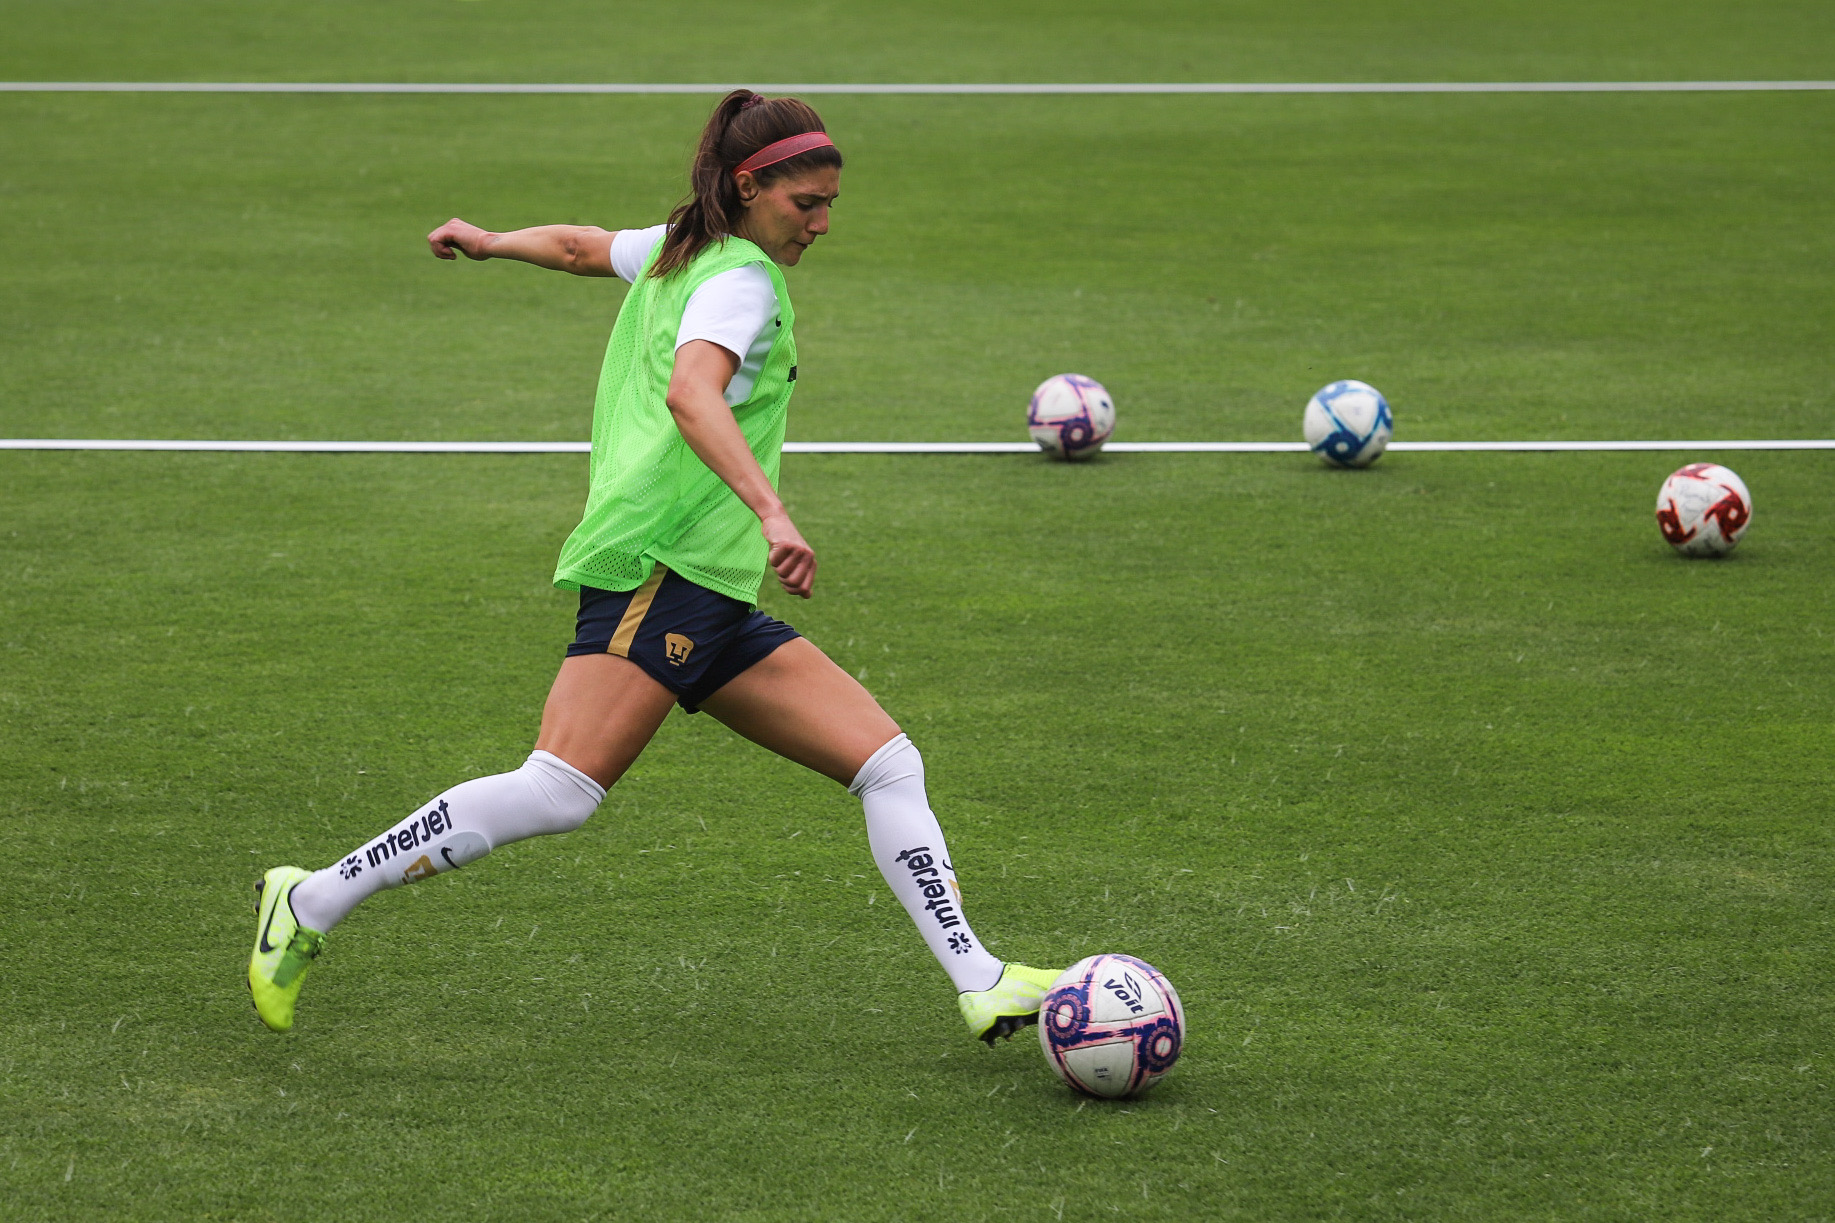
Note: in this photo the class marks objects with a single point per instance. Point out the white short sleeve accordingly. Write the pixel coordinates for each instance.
(631, 250)
(736, 309)
(730, 309)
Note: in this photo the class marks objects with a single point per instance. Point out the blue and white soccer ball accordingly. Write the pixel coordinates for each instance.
(1347, 424)
(1070, 416)
(1111, 1026)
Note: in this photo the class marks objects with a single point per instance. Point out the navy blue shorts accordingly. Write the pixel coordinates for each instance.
(689, 639)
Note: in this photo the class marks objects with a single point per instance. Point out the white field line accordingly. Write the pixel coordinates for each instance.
(331, 447)
(1118, 87)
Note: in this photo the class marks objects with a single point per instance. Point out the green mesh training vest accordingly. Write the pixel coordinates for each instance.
(651, 501)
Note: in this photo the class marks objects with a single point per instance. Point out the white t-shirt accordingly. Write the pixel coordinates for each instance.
(736, 309)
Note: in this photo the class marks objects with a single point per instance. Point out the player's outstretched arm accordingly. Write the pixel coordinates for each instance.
(584, 250)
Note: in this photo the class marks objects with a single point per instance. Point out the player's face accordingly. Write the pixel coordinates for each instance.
(790, 214)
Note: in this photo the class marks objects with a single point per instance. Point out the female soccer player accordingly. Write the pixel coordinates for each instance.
(682, 520)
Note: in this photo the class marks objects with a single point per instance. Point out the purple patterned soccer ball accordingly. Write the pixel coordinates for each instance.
(1111, 1026)
(1070, 416)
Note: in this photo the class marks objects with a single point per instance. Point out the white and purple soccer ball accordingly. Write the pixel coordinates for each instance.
(1111, 1026)
(1070, 416)
(1348, 424)
(1703, 509)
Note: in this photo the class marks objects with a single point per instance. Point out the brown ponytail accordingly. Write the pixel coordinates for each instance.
(743, 123)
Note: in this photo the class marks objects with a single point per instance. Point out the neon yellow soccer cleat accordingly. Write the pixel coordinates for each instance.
(1012, 1004)
(284, 949)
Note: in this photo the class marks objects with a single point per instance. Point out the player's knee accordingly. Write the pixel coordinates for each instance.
(897, 760)
(567, 796)
(572, 814)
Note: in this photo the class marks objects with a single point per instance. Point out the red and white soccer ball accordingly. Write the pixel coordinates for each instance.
(1070, 416)
(1703, 509)
(1111, 1026)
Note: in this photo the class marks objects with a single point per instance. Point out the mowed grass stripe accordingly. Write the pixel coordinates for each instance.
(329, 447)
(916, 88)
(936, 40)
(1501, 266)
(1485, 838)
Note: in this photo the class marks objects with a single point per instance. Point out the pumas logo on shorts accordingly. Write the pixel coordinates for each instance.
(678, 648)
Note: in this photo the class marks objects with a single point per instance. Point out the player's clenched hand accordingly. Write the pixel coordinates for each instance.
(460, 236)
(793, 560)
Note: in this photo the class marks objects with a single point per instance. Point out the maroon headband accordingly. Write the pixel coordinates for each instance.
(784, 150)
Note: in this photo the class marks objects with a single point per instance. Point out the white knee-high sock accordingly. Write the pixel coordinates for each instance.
(907, 844)
(545, 795)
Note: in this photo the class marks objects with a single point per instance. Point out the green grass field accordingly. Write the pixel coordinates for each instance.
(1487, 841)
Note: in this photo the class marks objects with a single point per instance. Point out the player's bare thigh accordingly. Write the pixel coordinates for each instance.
(798, 703)
(601, 713)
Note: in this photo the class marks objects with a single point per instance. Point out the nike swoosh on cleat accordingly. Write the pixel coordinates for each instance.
(266, 946)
